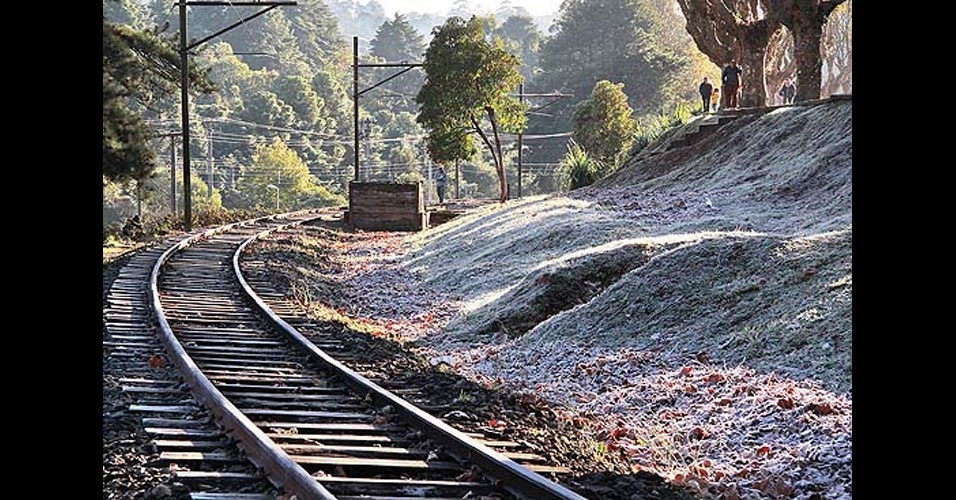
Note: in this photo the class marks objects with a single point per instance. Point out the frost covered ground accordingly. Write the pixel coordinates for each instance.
(696, 306)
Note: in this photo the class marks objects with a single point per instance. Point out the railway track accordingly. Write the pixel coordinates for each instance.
(256, 409)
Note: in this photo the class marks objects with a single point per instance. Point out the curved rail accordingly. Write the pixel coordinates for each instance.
(263, 450)
(260, 448)
(516, 478)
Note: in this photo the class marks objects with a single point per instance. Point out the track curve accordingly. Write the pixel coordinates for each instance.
(313, 426)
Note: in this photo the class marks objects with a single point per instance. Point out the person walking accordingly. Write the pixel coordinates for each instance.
(730, 81)
(788, 91)
(715, 99)
(706, 90)
(441, 180)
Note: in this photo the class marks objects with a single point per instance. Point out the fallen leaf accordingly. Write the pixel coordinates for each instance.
(157, 361)
(699, 433)
(821, 409)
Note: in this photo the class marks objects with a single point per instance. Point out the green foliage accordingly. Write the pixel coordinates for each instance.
(650, 127)
(640, 43)
(276, 165)
(616, 40)
(603, 123)
(468, 80)
(317, 33)
(139, 68)
(397, 41)
(579, 168)
(522, 37)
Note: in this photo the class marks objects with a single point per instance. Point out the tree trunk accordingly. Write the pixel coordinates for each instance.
(495, 156)
(806, 41)
(753, 42)
(498, 156)
(805, 19)
(733, 30)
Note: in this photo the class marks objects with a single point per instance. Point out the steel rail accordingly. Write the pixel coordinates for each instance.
(261, 449)
(515, 478)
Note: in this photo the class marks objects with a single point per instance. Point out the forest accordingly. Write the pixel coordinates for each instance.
(271, 93)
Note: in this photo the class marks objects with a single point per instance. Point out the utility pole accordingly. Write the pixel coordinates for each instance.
(428, 175)
(355, 106)
(184, 97)
(209, 160)
(184, 48)
(521, 102)
(356, 93)
(172, 168)
(556, 96)
(367, 135)
(172, 176)
(457, 168)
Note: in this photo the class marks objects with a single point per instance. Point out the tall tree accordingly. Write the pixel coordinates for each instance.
(275, 164)
(524, 37)
(805, 19)
(468, 79)
(397, 41)
(317, 32)
(604, 123)
(734, 29)
(138, 69)
(779, 65)
(615, 40)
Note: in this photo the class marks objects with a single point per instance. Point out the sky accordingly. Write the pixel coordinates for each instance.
(535, 7)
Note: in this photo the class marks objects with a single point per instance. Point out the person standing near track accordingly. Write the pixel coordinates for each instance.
(705, 89)
(730, 80)
(441, 180)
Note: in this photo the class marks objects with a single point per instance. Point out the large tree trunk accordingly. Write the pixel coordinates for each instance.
(734, 29)
(753, 40)
(805, 18)
(780, 65)
(806, 42)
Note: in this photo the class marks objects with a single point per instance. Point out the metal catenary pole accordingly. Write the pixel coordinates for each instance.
(184, 49)
(356, 93)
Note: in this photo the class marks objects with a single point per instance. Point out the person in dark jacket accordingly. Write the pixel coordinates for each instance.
(706, 89)
(441, 180)
(730, 80)
(788, 91)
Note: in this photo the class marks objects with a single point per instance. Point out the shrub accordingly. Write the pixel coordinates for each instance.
(579, 168)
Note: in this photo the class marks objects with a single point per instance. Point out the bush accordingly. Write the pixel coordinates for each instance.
(579, 168)
(652, 127)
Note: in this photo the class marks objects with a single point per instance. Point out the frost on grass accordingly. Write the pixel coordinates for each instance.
(717, 345)
(696, 305)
